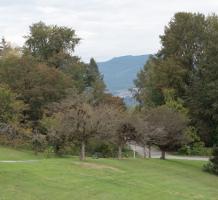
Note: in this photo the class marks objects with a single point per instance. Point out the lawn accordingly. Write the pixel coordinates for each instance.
(105, 179)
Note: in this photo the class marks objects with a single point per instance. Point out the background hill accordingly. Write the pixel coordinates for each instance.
(119, 73)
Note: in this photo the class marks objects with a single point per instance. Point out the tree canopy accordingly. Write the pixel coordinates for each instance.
(186, 64)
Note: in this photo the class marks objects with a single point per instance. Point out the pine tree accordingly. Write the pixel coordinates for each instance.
(95, 82)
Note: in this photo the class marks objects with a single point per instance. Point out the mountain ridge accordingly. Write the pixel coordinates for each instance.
(120, 72)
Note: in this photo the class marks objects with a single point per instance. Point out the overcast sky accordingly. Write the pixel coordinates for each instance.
(108, 28)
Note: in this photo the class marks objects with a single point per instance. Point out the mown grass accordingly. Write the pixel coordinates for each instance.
(13, 154)
(103, 179)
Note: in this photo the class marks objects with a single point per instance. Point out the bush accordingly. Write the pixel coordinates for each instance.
(39, 143)
(196, 149)
(212, 165)
(199, 149)
(49, 152)
(128, 153)
(185, 150)
(100, 149)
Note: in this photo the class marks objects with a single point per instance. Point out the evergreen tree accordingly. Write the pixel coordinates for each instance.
(187, 64)
(95, 82)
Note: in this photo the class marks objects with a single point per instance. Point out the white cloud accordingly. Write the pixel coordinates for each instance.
(108, 28)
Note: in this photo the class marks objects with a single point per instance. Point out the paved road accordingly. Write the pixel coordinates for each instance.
(156, 154)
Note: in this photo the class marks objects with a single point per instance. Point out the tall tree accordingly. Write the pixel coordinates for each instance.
(93, 71)
(176, 61)
(156, 76)
(51, 44)
(36, 84)
(11, 116)
(10, 108)
(203, 95)
(82, 123)
(186, 64)
(74, 121)
(95, 82)
(77, 71)
(183, 39)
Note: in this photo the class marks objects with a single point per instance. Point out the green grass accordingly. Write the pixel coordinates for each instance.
(103, 179)
(12, 154)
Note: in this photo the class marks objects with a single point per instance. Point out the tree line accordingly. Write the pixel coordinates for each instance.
(183, 75)
(50, 98)
(185, 71)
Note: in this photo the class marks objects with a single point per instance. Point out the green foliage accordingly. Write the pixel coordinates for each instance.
(212, 165)
(10, 108)
(55, 138)
(77, 71)
(95, 83)
(50, 44)
(54, 46)
(197, 149)
(183, 39)
(36, 84)
(92, 72)
(12, 131)
(101, 149)
(147, 94)
(156, 76)
(174, 103)
(195, 146)
(203, 93)
(187, 65)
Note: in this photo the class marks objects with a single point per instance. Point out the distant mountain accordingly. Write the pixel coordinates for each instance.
(120, 72)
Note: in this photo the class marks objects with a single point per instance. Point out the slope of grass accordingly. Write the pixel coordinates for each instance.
(104, 179)
(12, 154)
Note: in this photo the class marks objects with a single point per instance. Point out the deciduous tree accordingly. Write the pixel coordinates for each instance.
(167, 128)
(51, 43)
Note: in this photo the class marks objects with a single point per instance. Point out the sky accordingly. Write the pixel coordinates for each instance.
(108, 28)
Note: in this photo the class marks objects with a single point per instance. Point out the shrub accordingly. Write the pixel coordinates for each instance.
(212, 165)
(196, 149)
(39, 143)
(185, 150)
(100, 149)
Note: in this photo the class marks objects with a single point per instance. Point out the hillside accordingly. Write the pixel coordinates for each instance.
(120, 72)
(68, 178)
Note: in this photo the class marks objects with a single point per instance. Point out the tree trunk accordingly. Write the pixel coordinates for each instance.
(134, 151)
(120, 152)
(144, 151)
(163, 155)
(36, 152)
(83, 150)
(149, 151)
